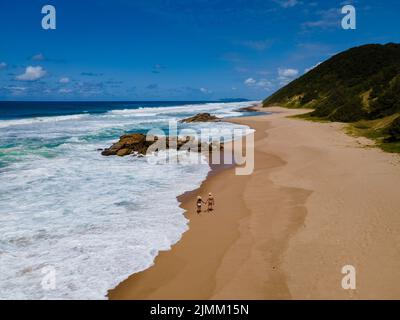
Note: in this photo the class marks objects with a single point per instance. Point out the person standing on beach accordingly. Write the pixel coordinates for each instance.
(199, 204)
(210, 202)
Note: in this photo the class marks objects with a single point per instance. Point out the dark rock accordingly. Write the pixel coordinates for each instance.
(248, 109)
(137, 144)
(201, 117)
(128, 144)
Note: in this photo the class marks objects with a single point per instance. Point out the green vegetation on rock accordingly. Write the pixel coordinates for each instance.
(359, 86)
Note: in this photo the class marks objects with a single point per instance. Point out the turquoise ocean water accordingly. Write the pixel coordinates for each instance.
(92, 220)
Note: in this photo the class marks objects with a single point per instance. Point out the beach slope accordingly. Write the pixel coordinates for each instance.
(318, 200)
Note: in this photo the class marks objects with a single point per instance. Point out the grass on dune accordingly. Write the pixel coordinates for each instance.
(377, 130)
(308, 117)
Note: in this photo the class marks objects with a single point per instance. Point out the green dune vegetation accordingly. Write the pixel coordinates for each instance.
(360, 86)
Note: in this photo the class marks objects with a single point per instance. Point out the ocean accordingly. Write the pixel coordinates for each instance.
(74, 224)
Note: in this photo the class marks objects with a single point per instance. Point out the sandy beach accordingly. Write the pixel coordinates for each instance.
(318, 200)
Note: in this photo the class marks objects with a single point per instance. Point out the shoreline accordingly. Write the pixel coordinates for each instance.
(171, 263)
(125, 291)
(285, 231)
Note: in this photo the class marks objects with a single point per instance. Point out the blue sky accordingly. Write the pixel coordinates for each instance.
(176, 49)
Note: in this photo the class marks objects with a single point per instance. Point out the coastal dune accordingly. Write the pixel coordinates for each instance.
(318, 200)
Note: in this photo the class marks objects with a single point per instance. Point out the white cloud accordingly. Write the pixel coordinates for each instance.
(64, 80)
(250, 82)
(256, 44)
(3, 65)
(327, 19)
(262, 83)
(313, 67)
(16, 90)
(287, 3)
(205, 91)
(64, 90)
(32, 74)
(288, 73)
(38, 57)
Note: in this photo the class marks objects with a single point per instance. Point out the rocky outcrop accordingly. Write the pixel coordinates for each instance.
(201, 117)
(138, 144)
(128, 144)
(248, 109)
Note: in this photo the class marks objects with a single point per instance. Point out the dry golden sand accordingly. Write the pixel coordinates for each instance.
(317, 200)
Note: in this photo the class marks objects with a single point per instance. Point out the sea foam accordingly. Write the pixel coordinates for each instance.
(94, 220)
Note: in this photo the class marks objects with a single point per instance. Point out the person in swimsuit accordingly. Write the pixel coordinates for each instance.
(210, 202)
(199, 203)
